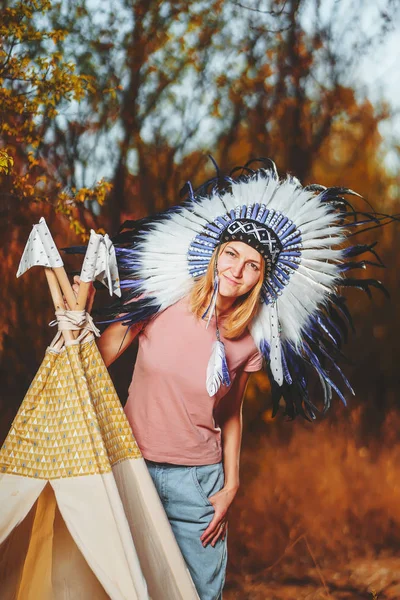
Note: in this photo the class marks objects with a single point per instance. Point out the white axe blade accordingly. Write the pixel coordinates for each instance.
(40, 250)
(100, 263)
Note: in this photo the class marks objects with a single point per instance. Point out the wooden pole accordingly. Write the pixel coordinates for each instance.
(57, 298)
(83, 293)
(66, 287)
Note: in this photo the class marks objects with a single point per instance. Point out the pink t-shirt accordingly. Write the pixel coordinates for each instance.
(168, 407)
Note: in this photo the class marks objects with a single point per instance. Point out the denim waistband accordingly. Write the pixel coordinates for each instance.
(167, 465)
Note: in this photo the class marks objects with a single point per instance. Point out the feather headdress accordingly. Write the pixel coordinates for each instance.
(304, 235)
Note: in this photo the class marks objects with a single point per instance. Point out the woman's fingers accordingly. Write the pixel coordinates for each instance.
(209, 532)
(221, 532)
(76, 284)
(221, 502)
(213, 531)
(91, 293)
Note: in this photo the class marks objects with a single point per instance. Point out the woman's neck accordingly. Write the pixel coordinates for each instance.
(224, 305)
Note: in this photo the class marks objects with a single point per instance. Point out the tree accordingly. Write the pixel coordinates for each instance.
(142, 90)
(299, 81)
(190, 77)
(36, 84)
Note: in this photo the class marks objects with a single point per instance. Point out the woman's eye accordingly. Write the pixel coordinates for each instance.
(254, 266)
(230, 253)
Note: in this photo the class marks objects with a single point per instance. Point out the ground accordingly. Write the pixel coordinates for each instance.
(360, 579)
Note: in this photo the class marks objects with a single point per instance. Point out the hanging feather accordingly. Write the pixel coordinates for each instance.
(276, 350)
(217, 369)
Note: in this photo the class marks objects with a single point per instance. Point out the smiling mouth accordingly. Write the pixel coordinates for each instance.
(231, 280)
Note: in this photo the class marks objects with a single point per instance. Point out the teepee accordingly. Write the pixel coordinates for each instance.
(79, 515)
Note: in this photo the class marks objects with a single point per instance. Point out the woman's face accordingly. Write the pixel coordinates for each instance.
(239, 269)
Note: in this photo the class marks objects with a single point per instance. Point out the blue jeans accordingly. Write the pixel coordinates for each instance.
(184, 492)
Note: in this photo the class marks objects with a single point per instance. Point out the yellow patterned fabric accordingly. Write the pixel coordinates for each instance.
(71, 421)
(114, 426)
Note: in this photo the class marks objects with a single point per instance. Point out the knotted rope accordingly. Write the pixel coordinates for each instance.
(73, 320)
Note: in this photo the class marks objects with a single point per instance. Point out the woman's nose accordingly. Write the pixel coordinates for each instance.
(237, 270)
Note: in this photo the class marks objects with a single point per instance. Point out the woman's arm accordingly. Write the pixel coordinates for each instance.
(115, 340)
(230, 420)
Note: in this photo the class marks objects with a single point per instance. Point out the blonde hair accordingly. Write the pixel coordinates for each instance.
(244, 308)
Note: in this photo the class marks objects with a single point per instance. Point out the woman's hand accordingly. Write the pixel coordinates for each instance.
(218, 527)
(91, 294)
(230, 421)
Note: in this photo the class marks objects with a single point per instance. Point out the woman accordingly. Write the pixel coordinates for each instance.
(248, 272)
(191, 442)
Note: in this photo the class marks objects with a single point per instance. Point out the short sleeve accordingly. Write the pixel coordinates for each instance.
(254, 363)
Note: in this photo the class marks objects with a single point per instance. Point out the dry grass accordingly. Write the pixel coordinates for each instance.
(317, 498)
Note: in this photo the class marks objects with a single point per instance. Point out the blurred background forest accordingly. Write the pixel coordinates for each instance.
(106, 110)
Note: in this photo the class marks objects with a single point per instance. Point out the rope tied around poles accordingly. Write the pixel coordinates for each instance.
(73, 320)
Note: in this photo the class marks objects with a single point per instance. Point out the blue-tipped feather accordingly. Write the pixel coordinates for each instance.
(217, 369)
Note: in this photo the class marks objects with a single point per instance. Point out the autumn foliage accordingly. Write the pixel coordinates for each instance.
(36, 83)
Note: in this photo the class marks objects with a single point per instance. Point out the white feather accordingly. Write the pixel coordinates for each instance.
(323, 254)
(164, 252)
(275, 347)
(214, 368)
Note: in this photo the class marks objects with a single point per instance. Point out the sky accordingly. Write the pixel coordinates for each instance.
(378, 74)
(381, 74)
